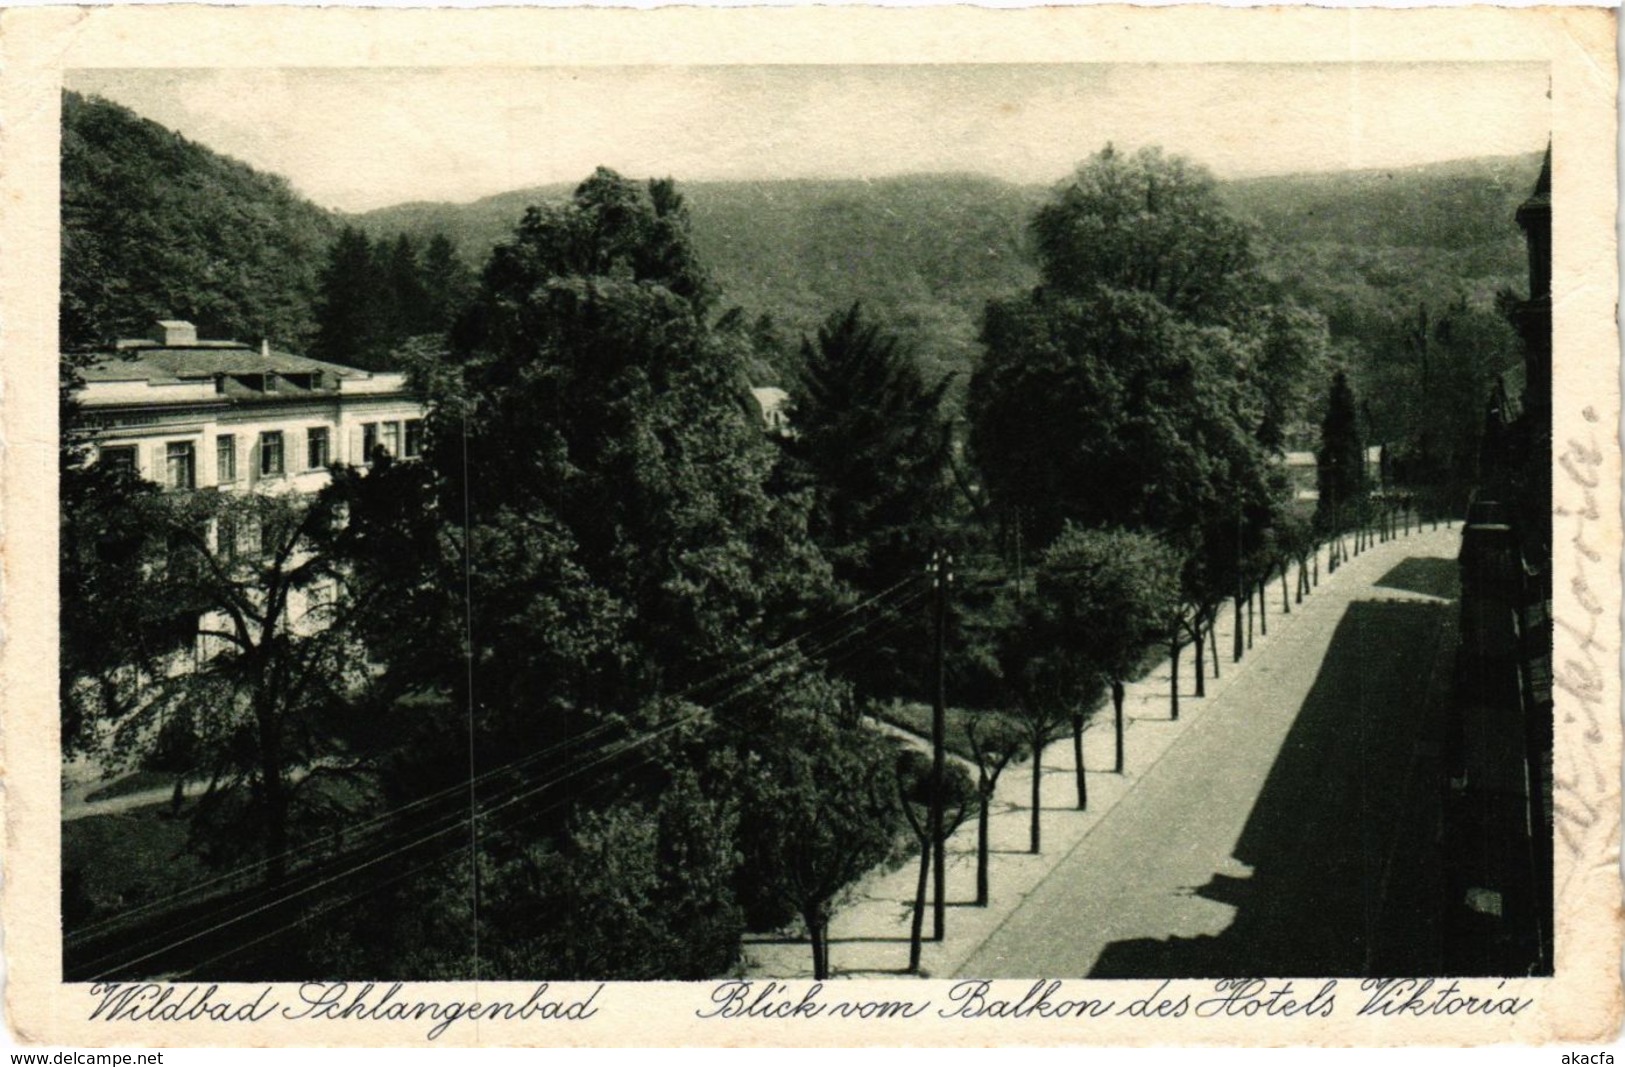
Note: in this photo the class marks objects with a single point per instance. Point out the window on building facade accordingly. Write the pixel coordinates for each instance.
(225, 458)
(369, 441)
(119, 457)
(391, 432)
(316, 445)
(270, 383)
(270, 453)
(225, 538)
(414, 438)
(247, 541)
(180, 465)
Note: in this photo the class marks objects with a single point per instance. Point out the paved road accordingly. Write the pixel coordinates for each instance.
(1293, 830)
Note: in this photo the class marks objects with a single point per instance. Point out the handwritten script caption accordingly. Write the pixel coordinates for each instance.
(327, 1002)
(1229, 998)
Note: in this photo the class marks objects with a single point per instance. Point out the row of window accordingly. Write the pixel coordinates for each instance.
(396, 438)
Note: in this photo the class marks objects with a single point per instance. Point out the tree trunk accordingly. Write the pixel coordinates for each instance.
(817, 932)
(1241, 630)
(275, 798)
(982, 843)
(1173, 674)
(1199, 644)
(1263, 606)
(1286, 596)
(1213, 637)
(1251, 593)
(1038, 782)
(1077, 762)
(918, 928)
(1316, 563)
(1117, 714)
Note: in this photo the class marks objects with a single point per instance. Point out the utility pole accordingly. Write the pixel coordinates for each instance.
(941, 568)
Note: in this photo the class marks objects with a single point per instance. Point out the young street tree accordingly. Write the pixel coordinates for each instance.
(1046, 683)
(1111, 593)
(819, 811)
(996, 740)
(916, 797)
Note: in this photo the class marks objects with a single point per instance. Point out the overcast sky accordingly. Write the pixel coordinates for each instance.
(355, 139)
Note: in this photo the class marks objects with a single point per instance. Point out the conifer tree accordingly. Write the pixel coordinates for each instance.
(1340, 461)
(870, 437)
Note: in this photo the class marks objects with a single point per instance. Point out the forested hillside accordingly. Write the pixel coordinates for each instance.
(1344, 243)
(155, 226)
(926, 253)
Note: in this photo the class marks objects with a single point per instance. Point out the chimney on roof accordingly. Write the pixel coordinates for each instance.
(265, 348)
(175, 333)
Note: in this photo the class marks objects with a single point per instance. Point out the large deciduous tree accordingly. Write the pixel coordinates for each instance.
(240, 657)
(1151, 223)
(599, 415)
(1107, 409)
(609, 498)
(1146, 382)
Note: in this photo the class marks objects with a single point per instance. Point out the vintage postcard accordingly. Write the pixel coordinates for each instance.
(844, 526)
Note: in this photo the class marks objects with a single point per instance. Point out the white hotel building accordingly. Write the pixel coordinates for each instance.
(191, 414)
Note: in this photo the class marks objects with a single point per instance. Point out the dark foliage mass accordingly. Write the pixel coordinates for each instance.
(870, 446)
(375, 296)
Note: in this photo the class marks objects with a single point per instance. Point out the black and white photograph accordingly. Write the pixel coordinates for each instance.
(793, 522)
(1014, 532)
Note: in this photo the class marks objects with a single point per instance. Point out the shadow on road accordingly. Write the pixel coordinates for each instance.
(1431, 576)
(1342, 844)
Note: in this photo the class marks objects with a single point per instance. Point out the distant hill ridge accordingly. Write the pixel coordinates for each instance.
(1439, 204)
(927, 251)
(156, 225)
